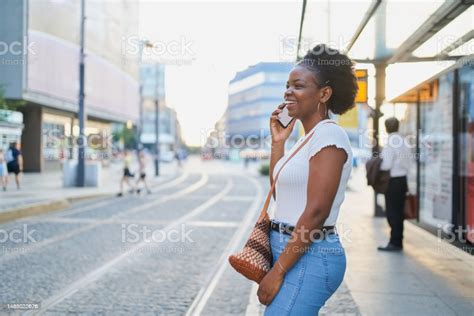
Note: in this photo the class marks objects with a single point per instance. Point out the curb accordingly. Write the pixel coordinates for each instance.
(33, 209)
(81, 198)
(50, 206)
(44, 207)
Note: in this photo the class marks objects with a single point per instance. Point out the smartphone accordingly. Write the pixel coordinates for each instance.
(284, 118)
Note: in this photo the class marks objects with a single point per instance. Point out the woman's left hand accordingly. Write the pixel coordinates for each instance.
(269, 286)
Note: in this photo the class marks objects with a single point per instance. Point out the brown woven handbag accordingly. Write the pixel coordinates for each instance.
(255, 260)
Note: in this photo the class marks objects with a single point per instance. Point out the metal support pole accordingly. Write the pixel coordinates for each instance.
(381, 53)
(157, 137)
(82, 143)
(379, 98)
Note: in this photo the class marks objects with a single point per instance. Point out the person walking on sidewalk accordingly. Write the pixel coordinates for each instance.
(127, 174)
(177, 156)
(3, 170)
(15, 162)
(395, 158)
(309, 261)
(142, 171)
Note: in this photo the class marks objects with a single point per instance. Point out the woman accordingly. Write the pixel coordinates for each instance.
(308, 260)
(142, 171)
(127, 174)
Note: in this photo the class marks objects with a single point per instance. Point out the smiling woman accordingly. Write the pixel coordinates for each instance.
(329, 68)
(308, 259)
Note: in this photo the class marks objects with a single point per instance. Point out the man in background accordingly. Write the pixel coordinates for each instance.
(395, 158)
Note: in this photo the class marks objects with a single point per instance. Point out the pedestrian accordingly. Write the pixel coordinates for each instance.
(309, 261)
(14, 160)
(178, 157)
(142, 171)
(127, 174)
(395, 158)
(3, 170)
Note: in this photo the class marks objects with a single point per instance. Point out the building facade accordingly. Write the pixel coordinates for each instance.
(11, 125)
(152, 81)
(254, 93)
(41, 67)
(439, 113)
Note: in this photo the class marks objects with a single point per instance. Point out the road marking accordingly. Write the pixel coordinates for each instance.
(205, 293)
(239, 198)
(107, 200)
(67, 220)
(27, 249)
(104, 269)
(254, 308)
(213, 224)
(229, 198)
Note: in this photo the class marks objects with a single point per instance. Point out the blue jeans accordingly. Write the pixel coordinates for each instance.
(312, 279)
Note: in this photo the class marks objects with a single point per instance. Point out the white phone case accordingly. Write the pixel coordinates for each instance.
(284, 118)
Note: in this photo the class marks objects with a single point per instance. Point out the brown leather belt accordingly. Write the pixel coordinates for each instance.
(288, 229)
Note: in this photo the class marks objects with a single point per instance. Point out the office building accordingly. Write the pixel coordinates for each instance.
(41, 67)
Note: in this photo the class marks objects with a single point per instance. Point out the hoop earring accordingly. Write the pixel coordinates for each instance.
(326, 114)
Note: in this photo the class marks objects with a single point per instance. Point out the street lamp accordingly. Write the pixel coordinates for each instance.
(81, 162)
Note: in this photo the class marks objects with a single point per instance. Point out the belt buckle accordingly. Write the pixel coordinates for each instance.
(281, 229)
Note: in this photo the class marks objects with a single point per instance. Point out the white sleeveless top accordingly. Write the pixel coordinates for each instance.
(291, 187)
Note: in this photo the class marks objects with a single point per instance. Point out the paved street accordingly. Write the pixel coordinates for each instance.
(48, 186)
(161, 253)
(166, 254)
(97, 96)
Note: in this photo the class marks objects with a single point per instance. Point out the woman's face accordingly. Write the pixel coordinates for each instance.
(303, 90)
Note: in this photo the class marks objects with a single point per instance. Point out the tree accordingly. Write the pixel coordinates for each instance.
(6, 104)
(126, 136)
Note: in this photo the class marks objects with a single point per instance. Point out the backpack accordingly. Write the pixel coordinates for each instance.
(376, 178)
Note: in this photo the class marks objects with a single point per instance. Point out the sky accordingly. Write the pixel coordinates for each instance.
(203, 45)
(217, 39)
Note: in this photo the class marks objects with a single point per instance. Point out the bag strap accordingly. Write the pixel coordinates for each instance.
(264, 212)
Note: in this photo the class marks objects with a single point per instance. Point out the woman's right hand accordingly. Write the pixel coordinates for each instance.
(279, 133)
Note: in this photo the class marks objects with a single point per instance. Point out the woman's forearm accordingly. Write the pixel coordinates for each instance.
(277, 151)
(301, 238)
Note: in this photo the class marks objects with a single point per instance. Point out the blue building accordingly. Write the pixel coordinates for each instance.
(152, 81)
(254, 93)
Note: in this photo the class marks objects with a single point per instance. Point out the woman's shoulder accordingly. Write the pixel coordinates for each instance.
(332, 131)
(330, 134)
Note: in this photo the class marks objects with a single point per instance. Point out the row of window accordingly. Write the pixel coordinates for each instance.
(250, 110)
(261, 91)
